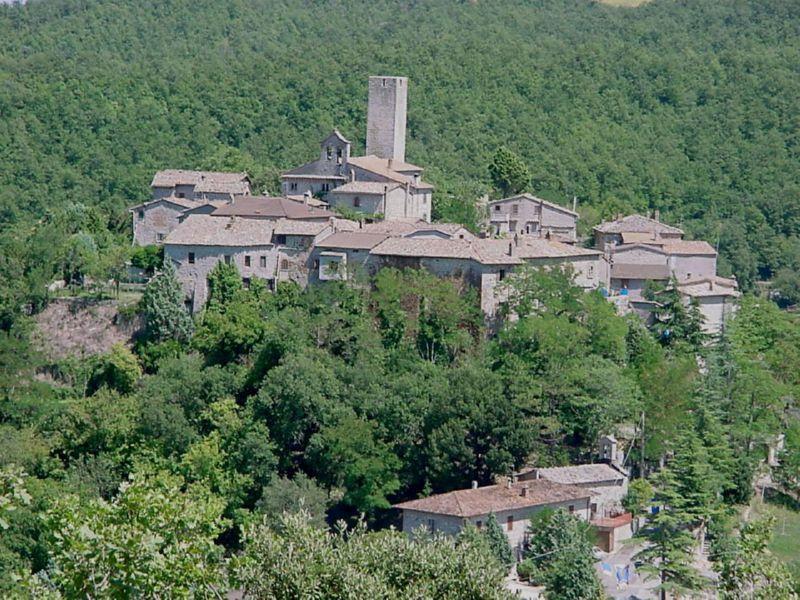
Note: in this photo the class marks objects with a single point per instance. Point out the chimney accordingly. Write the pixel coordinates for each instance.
(391, 163)
(306, 197)
(524, 491)
(352, 175)
(508, 483)
(474, 485)
(332, 223)
(657, 215)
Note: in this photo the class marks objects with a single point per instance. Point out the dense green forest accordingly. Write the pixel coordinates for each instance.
(163, 470)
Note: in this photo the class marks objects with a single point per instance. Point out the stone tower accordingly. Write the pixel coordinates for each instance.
(386, 117)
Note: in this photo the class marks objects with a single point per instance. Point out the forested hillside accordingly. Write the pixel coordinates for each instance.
(689, 107)
(164, 467)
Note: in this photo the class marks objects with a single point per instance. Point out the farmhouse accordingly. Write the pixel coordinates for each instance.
(529, 215)
(512, 503)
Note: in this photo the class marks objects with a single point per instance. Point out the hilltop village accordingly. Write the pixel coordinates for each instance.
(202, 218)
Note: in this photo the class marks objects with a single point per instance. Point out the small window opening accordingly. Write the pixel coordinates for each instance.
(141, 215)
(356, 202)
(191, 258)
(510, 523)
(246, 261)
(262, 262)
(227, 258)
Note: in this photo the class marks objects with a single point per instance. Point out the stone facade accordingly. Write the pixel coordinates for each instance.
(386, 117)
(194, 263)
(528, 215)
(153, 221)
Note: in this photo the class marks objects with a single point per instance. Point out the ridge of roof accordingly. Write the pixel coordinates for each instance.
(636, 223)
(531, 197)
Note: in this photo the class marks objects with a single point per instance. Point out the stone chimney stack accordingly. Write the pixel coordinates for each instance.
(524, 491)
(657, 215)
(386, 117)
(474, 485)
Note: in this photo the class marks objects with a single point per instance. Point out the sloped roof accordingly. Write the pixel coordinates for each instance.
(207, 230)
(380, 166)
(295, 227)
(271, 207)
(209, 181)
(633, 271)
(364, 187)
(636, 224)
(710, 287)
(338, 135)
(425, 248)
(179, 202)
(352, 240)
(496, 498)
(689, 247)
(544, 248)
(537, 200)
(581, 474)
(655, 248)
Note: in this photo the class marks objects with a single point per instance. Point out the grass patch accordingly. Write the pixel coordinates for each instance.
(785, 543)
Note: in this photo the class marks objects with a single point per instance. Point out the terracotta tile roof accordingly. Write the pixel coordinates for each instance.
(338, 135)
(641, 237)
(271, 207)
(636, 224)
(632, 271)
(352, 240)
(653, 248)
(310, 200)
(543, 248)
(296, 227)
(581, 474)
(208, 181)
(532, 198)
(365, 187)
(207, 230)
(496, 498)
(690, 247)
(613, 522)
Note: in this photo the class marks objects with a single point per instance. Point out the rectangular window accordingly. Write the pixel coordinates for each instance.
(160, 237)
(262, 262)
(497, 208)
(431, 525)
(479, 524)
(181, 195)
(284, 265)
(246, 283)
(227, 259)
(356, 202)
(247, 261)
(571, 508)
(510, 523)
(141, 215)
(591, 270)
(280, 239)
(191, 258)
(502, 274)
(515, 209)
(293, 186)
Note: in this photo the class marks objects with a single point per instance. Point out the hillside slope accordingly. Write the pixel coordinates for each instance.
(689, 107)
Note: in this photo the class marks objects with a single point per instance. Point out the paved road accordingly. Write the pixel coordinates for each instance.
(639, 587)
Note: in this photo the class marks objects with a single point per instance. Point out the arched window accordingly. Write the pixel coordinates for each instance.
(284, 265)
(329, 152)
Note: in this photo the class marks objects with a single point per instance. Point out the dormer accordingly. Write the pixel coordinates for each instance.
(335, 148)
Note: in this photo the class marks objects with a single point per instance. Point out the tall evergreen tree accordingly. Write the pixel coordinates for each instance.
(498, 542)
(165, 316)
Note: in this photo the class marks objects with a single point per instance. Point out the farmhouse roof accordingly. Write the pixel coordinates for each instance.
(496, 498)
(271, 207)
(581, 474)
(636, 224)
(709, 287)
(425, 248)
(207, 230)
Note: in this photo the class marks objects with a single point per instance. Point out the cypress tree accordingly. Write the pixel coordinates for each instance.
(498, 542)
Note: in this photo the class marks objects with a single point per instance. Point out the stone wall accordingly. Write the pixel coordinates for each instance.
(152, 223)
(386, 117)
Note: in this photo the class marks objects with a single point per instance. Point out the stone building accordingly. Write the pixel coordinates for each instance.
(512, 503)
(634, 229)
(154, 220)
(178, 193)
(526, 214)
(201, 241)
(380, 183)
(200, 186)
(716, 297)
